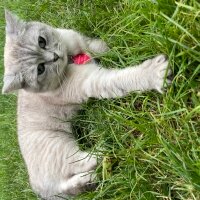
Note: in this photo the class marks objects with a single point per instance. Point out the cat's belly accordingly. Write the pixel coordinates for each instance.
(44, 133)
(34, 113)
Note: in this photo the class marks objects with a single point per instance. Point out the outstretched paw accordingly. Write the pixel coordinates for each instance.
(158, 72)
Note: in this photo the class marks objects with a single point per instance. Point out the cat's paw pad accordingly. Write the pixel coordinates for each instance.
(158, 71)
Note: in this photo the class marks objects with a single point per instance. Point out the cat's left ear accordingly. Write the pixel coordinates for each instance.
(14, 25)
(12, 83)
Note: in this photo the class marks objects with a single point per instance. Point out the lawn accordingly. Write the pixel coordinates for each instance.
(152, 140)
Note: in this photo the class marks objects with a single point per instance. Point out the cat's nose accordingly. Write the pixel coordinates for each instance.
(55, 57)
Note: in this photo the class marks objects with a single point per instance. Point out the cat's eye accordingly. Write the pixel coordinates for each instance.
(42, 42)
(40, 69)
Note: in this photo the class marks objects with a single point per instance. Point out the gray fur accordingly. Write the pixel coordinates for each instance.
(22, 45)
(47, 102)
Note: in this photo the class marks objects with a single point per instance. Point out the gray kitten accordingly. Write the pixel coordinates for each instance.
(50, 90)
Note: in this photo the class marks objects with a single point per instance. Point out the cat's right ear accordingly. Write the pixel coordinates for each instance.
(14, 25)
(12, 83)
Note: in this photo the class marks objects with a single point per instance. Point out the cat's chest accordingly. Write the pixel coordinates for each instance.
(59, 117)
(63, 112)
(36, 113)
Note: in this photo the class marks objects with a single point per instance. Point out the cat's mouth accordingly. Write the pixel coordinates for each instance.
(79, 59)
(70, 60)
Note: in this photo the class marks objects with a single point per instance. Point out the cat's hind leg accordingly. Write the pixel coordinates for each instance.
(84, 166)
(84, 162)
(78, 183)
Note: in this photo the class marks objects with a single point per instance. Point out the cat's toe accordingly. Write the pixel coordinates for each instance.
(160, 59)
(160, 72)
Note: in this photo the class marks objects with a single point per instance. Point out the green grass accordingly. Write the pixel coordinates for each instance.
(153, 140)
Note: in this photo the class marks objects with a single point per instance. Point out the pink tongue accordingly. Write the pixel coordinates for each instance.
(81, 58)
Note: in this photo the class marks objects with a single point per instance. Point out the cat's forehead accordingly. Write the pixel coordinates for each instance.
(16, 60)
(16, 55)
(37, 28)
(30, 33)
(23, 49)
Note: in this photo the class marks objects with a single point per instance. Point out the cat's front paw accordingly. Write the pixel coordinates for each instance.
(98, 46)
(156, 70)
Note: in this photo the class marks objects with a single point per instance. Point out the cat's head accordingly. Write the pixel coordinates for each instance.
(35, 57)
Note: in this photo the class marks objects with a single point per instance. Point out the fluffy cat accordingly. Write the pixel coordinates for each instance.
(50, 91)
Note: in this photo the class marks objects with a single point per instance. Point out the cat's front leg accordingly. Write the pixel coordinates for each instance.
(96, 45)
(77, 43)
(109, 83)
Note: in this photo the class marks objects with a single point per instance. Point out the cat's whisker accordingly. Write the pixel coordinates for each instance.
(59, 46)
(57, 70)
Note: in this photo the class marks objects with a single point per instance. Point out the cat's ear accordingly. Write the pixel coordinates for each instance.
(14, 25)
(12, 83)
